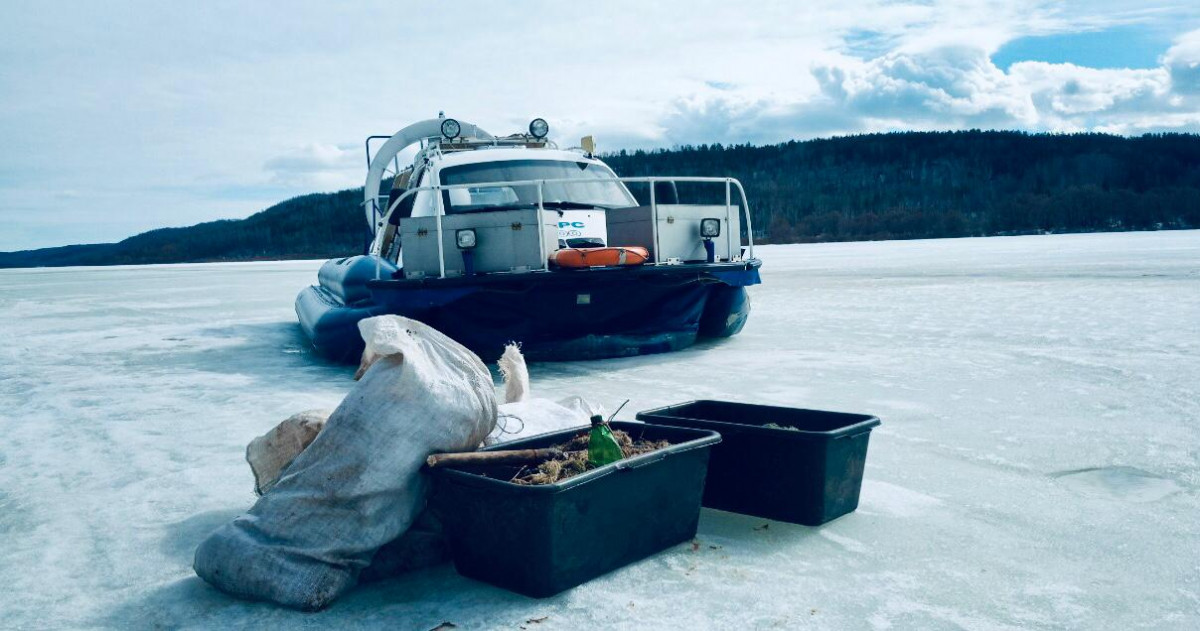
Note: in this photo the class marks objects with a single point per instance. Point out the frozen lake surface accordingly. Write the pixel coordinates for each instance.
(1037, 467)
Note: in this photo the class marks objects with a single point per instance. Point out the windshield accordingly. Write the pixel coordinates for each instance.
(591, 186)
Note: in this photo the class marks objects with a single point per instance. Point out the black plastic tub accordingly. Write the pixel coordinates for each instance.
(539, 540)
(807, 475)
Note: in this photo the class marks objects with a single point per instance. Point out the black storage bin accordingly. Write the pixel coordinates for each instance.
(539, 540)
(808, 477)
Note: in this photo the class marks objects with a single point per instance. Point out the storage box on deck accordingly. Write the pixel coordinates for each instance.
(807, 475)
(539, 540)
(506, 240)
(678, 230)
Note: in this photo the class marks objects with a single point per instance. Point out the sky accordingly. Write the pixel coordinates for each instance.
(120, 117)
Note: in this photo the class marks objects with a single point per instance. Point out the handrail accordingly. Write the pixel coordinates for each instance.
(541, 234)
(540, 184)
(654, 222)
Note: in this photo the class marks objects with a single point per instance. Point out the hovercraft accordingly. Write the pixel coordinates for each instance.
(494, 240)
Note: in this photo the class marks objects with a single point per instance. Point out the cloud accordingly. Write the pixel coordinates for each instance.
(320, 166)
(952, 85)
(1074, 98)
(955, 86)
(1182, 61)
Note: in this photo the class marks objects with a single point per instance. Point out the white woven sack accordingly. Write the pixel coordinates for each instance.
(358, 485)
(534, 416)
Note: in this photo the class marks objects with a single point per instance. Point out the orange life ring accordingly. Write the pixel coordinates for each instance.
(600, 257)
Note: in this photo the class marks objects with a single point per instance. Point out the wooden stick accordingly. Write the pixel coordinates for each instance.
(485, 458)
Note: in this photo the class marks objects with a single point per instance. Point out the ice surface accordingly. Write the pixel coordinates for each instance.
(1037, 467)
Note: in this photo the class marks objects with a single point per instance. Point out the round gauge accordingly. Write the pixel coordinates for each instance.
(451, 129)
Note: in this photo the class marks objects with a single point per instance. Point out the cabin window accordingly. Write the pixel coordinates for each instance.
(584, 185)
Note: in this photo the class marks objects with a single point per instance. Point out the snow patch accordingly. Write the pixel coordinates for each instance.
(1123, 483)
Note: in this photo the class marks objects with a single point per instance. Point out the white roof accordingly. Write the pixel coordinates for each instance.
(498, 154)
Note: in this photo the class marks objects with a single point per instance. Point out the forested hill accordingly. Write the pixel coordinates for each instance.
(879, 186)
(320, 225)
(948, 184)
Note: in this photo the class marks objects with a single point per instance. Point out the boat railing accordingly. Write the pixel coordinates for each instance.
(440, 211)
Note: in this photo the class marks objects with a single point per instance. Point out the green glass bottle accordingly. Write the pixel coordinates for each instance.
(603, 447)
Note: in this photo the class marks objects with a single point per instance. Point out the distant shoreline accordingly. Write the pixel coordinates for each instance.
(322, 258)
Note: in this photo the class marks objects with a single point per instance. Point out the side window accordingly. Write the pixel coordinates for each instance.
(423, 204)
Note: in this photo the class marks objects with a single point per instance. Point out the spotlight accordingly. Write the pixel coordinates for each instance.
(538, 128)
(465, 239)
